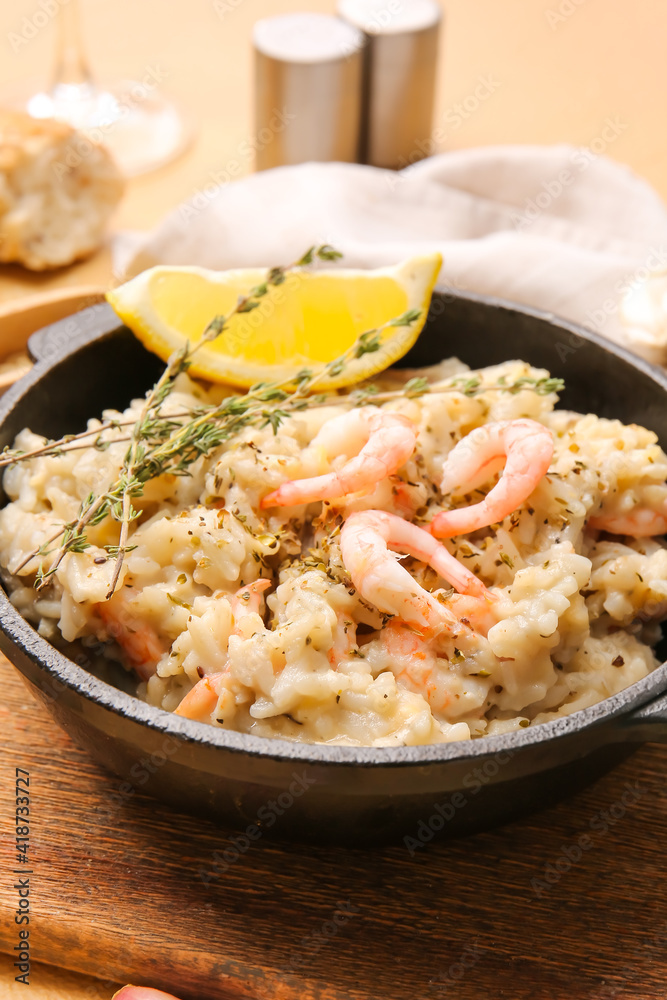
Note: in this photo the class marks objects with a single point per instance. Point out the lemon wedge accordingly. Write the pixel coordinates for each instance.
(310, 319)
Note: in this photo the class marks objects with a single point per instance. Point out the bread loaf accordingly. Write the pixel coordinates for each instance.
(57, 191)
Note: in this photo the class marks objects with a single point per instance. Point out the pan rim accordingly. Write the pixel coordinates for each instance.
(20, 634)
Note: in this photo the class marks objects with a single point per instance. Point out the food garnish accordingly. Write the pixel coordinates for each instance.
(160, 444)
(241, 327)
(435, 555)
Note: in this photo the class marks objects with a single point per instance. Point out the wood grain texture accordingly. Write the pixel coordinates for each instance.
(19, 320)
(122, 896)
(48, 983)
(126, 888)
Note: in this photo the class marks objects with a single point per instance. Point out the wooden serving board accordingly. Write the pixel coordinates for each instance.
(19, 319)
(125, 888)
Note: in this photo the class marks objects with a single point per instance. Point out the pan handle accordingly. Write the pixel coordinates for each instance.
(647, 724)
(54, 340)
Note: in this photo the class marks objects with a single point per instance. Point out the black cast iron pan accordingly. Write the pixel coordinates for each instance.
(333, 793)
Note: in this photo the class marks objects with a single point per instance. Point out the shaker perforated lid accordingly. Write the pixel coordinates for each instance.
(308, 89)
(390, 16)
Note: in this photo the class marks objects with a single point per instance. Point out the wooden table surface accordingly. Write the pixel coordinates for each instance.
(567, 903)
(561, 68)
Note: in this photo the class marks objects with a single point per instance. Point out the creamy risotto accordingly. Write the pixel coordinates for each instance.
(313, 583)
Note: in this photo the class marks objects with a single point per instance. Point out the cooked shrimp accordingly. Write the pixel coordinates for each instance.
(138, 640)
(200, 702)
(421, 674)
(641, 522)
(247, 600)
(380, 578)
(479, 615)
(389, 441)
(525, 446)
(345, 639)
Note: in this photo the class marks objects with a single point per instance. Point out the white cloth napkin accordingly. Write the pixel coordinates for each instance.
(551, 227)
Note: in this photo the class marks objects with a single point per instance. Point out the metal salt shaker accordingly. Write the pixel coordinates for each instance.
(400, 69)
(308, 89)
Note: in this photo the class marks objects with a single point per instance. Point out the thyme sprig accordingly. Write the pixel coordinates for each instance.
(472, 385)
(412, 389)
(148, 428)
(130, 485)
(162, 444)
(274, 277)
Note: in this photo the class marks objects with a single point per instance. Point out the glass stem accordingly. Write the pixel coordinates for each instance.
(71, 65)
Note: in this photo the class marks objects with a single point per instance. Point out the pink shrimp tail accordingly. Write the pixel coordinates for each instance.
(345, 638)
(450, 569)
(390, 441)
(416, 541)
(139, 641)
(247, 599)
(528, 448)
(199, 703)
(364, 540)
(641, 522)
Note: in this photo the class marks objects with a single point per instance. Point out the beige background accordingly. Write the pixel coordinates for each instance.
(559, 77)
(561, 68)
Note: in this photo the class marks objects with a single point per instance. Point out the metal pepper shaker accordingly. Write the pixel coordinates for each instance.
(400, 70)
(308, 89)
